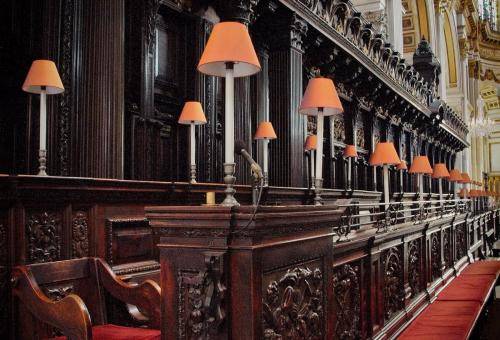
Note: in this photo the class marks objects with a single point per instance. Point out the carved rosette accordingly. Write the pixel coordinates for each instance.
(414, 260)
(347, 301)
(393, 282)
(435, 256)
(293, 305)
(80, 235)
(201, 311)
(461, 241)
(43, 237)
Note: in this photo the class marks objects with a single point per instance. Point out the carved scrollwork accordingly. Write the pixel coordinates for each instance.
(393, 282)
(414, 269)
(461, 241)
(80, 235)
(435, 256)
(360, 137)
(201, 312)
(43, 237)
(293, 305)
(339, 129)
(447, 248)
(347, 299)
(58, 292)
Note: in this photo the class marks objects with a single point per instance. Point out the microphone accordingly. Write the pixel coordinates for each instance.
(240, 149)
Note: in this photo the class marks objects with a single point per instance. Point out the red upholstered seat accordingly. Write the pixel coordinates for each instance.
(483, 268)
(468, 288)
(113, 332)
(448, 320)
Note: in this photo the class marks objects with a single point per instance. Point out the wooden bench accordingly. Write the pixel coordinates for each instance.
(455, 311)
(69, 296)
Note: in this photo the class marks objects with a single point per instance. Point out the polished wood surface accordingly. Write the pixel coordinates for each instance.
(283, 274)
(70, 296)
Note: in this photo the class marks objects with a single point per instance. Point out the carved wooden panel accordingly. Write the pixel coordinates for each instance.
(461, 241)
(339, 129)
(128, 240)
(201, 305)
(347, 294)
(360, 137)
(43, 236)
(414, 266)
(435, 255)
(392, 260)
(447, 256)
(80, 234)
(293, 303)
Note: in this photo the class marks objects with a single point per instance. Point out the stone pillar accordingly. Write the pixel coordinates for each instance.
(285, 93)
(440, 47)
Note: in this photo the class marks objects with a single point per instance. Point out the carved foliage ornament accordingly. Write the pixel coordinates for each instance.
(339, 129)
(201, 312)
(435, 256)
(414, 259)
(460, 241)
(347, 297)
(393, 282)
(293, 305)
(43, 237)
(80, 235)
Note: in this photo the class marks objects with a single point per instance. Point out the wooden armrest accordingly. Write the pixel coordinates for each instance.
(70, 315)
(146, 296)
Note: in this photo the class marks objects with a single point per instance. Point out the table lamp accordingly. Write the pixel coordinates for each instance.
(310, 146)
(385, 154)
(350, 152)
(265, 132)
(320, 100)
(440, 171)
(192, 114)
(401, 167)
(229, 53)
(455, 177)
(43, 79)
(420, 166)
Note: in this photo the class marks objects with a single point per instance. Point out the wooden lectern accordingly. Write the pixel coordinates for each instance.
(225, 278)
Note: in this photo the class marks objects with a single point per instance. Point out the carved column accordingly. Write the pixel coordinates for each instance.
(285, 93)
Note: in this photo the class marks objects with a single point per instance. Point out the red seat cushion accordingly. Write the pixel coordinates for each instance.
(448, 320)
(113, 332)
(468, 288)
(483, 268)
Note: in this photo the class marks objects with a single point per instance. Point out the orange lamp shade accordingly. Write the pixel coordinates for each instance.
(465, 178)
(265, 131)
(440, 171)
(192, 113)
(402, 166)
(311, 142)
(43, 73)
(350, 151)
(229, 42)
(384, 153)
(420, 165)
(455, 176)
(320, 95)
